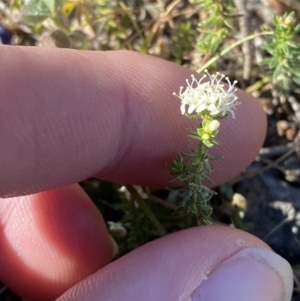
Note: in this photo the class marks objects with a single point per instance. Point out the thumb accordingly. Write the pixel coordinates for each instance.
(205, 263)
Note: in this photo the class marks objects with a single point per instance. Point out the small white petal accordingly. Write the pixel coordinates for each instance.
(211, 96)
(213, 109)
(232, 113)
(191, 109)
(201, 108)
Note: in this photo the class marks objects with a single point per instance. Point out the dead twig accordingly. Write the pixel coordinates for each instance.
(244, 28)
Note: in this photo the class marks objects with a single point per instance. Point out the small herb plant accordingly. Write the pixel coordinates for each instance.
(207, 100)
(210, 100)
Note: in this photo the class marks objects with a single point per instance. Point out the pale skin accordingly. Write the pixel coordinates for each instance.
(69, 115)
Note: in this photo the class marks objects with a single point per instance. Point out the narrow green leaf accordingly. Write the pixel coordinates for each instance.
(228, 23)
(286, 49)
(50, 5)
(37, 10)
(32, 16)
(195, 137)
(295, 71)
(58, 4)
(186, 197)
(273, 63)
(215, 141)
(192, 132)
(277, 72)
(296, 80)
(215, 157)
(207, 179)
(206, 208)
(286, 83)
(184, 177)
(188, 154)
(292, 44)
(197, 161)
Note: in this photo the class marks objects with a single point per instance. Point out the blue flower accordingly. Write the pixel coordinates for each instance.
(4, 34)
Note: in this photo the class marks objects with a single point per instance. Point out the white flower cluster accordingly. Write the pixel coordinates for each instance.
(210, 95)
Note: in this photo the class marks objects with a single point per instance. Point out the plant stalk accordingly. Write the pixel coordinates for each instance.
(146, 209)
(225, 51)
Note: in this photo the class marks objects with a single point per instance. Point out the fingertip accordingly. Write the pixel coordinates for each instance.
(181, 266)
(107, 114)
(50, 241)
(250, 274)
(241, 138)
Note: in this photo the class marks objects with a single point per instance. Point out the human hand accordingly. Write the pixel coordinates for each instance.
(69, 115)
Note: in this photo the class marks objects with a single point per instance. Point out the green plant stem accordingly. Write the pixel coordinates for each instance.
(136, 27)
(259, 84)
(146, 209)
(225, 51)
(202, 152)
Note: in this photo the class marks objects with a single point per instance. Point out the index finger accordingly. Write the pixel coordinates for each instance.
(68, 115)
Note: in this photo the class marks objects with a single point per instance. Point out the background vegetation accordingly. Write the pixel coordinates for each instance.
(265, 200)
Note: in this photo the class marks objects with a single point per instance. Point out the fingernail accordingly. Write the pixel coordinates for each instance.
(250, 275)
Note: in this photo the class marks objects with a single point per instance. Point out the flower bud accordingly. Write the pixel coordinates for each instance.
(213, 126)
(205, 137)
(287, 21)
